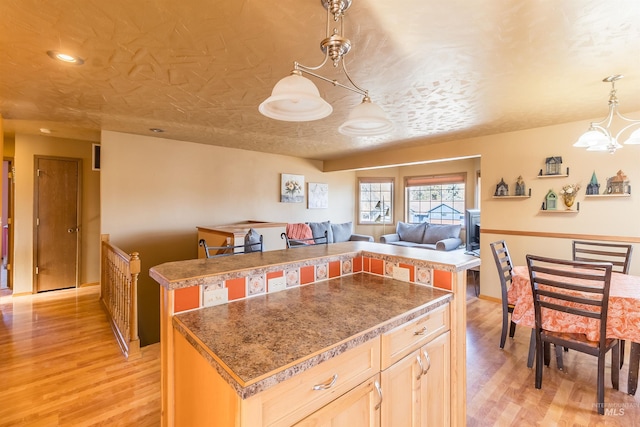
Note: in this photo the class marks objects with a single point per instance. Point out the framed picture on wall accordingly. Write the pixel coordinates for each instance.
(318, 197)
(292, 188)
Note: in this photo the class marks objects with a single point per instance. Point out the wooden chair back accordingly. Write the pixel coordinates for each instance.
(616, 253)
(505, 267)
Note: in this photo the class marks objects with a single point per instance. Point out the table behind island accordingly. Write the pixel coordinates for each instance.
(182, 283)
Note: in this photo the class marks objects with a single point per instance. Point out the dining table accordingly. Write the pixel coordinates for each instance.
(623, 316)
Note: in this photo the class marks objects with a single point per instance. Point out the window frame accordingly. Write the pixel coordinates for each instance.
(387, 219)
(436, 179)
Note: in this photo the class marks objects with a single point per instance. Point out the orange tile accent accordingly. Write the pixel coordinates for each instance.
(237, 288)
(307, 274)
(442, 279)
(275, 274)
(366, 264)
(186, 299)
(412, 271)
(334, 268)
(357, 264)
(377, 266)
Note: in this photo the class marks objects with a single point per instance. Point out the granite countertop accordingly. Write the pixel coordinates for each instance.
(258, 342)
(180, 274)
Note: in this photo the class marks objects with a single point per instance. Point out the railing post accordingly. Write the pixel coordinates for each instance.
(134, 266)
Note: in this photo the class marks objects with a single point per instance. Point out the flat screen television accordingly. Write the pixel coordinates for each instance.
(472, 224)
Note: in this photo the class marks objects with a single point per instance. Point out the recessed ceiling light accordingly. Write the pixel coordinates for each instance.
(65, 57)
(156, 130)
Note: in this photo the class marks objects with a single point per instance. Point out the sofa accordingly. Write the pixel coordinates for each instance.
(440, 237)
(322, 233)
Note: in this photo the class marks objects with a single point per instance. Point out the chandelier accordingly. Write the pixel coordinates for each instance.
(296, 99)
(599, 136)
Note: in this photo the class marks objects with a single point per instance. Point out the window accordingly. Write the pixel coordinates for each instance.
(436, 199)
(375, 201)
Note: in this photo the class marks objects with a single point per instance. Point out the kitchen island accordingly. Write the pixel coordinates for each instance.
(253, 354)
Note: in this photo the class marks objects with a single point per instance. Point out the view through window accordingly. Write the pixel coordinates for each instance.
(375, 202)
(436, 199)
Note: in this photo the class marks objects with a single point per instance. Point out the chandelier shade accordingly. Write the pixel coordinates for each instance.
(296, 99)
(600, 136)
(365, 120)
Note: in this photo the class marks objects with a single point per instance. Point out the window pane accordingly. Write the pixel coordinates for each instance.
(441, 203)
(376, 196)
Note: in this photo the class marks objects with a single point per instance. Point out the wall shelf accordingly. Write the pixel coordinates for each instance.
(511, 197)
(603, 196)
(552, 176)
(560, 211)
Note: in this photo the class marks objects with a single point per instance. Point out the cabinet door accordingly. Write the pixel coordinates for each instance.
(416, 390)
(359, 407)
(401, 388)
(436, 383)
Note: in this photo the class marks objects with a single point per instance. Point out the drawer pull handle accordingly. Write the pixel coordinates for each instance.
(426, 356)
(328, 384)
(421, 366)
(421, 331)
(379, 390)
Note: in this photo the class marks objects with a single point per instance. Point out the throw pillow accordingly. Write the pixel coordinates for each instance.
(342, 232)
(318, 229)
(252, 241)
(300, 231)
(436, 232)
(411, 232)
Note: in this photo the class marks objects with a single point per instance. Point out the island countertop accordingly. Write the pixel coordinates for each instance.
(258, 342)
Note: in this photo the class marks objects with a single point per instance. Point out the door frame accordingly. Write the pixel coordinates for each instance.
(10, 198)
(79, 162)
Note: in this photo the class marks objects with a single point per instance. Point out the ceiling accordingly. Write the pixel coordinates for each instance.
(442, 70)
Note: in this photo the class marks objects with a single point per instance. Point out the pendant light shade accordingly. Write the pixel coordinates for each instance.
(591, 138)
(600, 136)
(366, 119)
(295, 99)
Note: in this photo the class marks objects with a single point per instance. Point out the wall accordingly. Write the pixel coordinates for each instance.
(156, 191)
(26, 147)
(469, 166)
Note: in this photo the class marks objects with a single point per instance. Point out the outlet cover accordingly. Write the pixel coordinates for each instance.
(215, 297)
(401, 273)
(276, 284)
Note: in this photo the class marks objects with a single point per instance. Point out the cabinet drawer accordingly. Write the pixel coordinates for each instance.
(296, 398)
(401, 341)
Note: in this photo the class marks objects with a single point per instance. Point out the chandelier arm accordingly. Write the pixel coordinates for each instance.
(307, 70)
(346, 73)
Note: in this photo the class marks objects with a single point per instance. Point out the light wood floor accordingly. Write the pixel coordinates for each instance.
(501, 391)
(60, 366)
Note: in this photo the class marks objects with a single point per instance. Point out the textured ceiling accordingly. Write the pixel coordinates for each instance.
(442, 70)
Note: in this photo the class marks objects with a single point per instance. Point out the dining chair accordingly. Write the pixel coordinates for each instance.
(617, 254)
(299, 243)
(253, 242)
(505, 272)
(579, 290)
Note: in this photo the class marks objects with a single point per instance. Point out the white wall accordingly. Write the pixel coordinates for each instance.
(156, 191)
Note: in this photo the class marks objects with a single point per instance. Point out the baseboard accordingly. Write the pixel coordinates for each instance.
(84, 285)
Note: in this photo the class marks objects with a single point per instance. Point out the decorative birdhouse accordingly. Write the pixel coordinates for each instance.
(551, 201)
(554, 165)
(618, 184)
(502, 189)
(593, 187)
(520, 187)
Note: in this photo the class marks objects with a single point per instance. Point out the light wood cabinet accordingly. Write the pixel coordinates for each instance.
(358, 408)
(417, 389)
(416, 380)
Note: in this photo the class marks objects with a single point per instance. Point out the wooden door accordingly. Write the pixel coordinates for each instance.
(436, 383)
(57, 227)
(402, 393)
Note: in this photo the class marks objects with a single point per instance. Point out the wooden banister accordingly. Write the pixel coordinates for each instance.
(119, 294)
